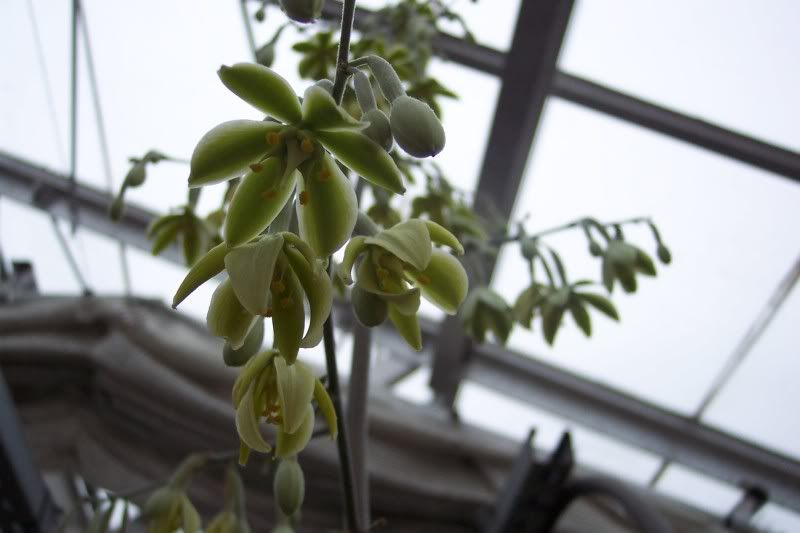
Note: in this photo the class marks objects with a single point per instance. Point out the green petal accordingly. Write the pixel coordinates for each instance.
(257, 201)
(227, 150)
(441, 235)
(444, 282)
(644, 264)
(551, 319)
(370, 309)
(296, 388)
(263, 89)
(247, 423)
(202, 270)
(363, 156)
(289, 444)
(320, 112)
(159, 223)
(288, 315)
(190, 522)
(526, 304)
(326, 407)
(406, 302)
(407, 326)
(319, 292)
(195, 240)
(227, 318)
(252, 344)
(608, 274)
(250, 268)
(166, 235)
(252, 369)
(409, 241)
(328, 211)
(353, 249)
(600, 303)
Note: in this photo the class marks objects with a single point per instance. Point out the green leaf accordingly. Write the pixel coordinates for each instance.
(250, 269)
(326, 407)
(227, 150)
(581, 316)
(227, 318)
(319, 292)
(257, 201)
(166, 235)
(296, 388)
(247, 423)
(328, 209)
(289, 444)
(202, 270)
(407, 326)
(444, 282)
(409, 241)
(264, 89)
(320, 112)
(551, 319)
(363, 156)
(600, 303)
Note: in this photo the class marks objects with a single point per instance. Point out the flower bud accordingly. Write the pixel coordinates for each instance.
(302, 10)
(595, 249)
(117, 207)
(325, 84)
(416, 128)
(379, 129)
(136, 175)
(370, 309)
(289, 487)
(266, 54)
(260, 14)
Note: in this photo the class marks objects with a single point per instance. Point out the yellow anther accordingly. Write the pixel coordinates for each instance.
(286, 302)
(269, 195)
(381, 273)
(324, 174)
(256, 167)
(267, 312)
(307, 146)
(303, 198)
(273, 138)
(422, 278)
(277, 286)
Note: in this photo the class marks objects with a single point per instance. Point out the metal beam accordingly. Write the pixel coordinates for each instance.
(527, 74)
(605, 410)
(692, 130)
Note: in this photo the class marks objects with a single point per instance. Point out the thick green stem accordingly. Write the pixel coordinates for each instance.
(342, 65)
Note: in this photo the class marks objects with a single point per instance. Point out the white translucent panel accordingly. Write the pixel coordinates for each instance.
(766, 383)
(732, 62)
(414, 387)
(156, 66)
(26, 114)
(99, 259)
(491, 21)
(726, 223)
(27, 234)
(698, 490)
(152, 277)
(777, 519)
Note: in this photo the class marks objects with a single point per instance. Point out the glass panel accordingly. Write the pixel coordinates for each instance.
(718, 216)
(728, 62)
(698, 490)
(775, 518)
(766, 382)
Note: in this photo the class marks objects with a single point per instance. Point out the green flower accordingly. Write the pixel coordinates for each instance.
(280, 157)
(196, 235)
(621, 261)
(397, 266)
(485, 311)
(270, 277)
(233, 517)
(169, 508)
(270, 387)
(319, 56)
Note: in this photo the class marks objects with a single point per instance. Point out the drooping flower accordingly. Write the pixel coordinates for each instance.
(397, 266)
(233, 517)
(270, 387)
(621, 261)
(169, 508)
(485, 311)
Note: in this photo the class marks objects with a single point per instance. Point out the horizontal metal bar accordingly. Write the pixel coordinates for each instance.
(690, 129)
(610, 412)
(50, 191)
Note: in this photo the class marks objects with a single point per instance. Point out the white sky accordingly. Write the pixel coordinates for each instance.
(731, 227)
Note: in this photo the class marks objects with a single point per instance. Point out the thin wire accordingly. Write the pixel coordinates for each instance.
(47, 85)
(248, 27)
(76, 271)
(103, 137)
(73, 125)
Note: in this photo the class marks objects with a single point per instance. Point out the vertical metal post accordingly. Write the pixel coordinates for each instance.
(527, 76)
(73, 116)
(358, 420)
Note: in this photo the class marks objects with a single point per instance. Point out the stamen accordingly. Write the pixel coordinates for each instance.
(269, 195)
(303, 198)
(267, 313)
(273, 138)
(307, 146)
(324, 174)
(278, 286)
(422, 278)
(286, 302)
(256, 167)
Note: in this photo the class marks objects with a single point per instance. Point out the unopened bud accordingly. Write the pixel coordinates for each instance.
(416, 128)
(379, 129)
(289, 486)
(595, 249)
(664, 255)
(136, 175)
(302, 10)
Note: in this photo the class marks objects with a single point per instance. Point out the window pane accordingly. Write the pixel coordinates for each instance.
(696, 489)
(732, 62)
(725, 222)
